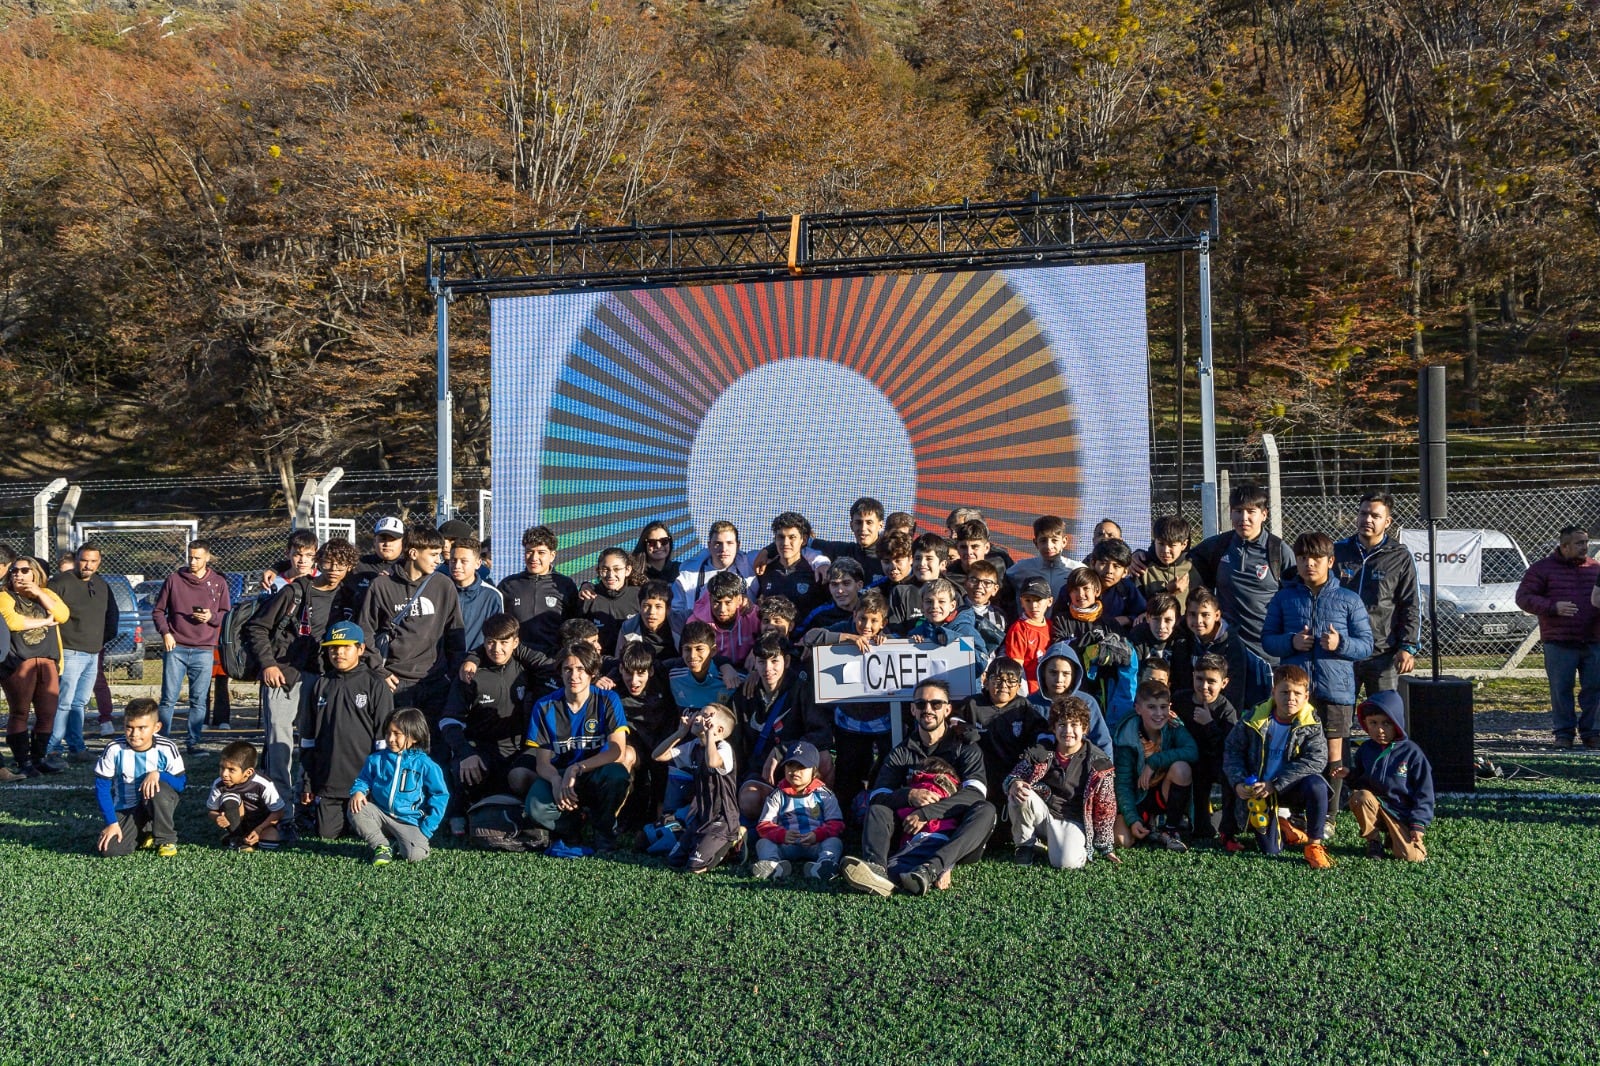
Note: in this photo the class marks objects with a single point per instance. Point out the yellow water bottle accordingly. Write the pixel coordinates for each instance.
(1260, 809)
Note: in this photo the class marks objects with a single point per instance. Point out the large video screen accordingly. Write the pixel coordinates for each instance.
(1020, 392)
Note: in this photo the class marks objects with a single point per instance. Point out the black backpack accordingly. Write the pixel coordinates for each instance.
(239, 662)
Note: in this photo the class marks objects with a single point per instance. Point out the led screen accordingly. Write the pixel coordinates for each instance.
(1018, 392)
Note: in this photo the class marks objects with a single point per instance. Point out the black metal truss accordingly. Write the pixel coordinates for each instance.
(957, 237)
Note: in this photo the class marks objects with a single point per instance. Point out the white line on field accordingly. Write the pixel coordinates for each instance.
(1486, 797)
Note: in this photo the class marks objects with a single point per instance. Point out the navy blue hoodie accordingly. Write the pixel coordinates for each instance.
(1398, 774)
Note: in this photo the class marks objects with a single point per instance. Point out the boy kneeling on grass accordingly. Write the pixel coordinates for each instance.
(1063, 800)
(1391, 782)
(137, 781)
(245, 805)
(1275, 758)
(1155, 757)
(800, 820)
(400, 794)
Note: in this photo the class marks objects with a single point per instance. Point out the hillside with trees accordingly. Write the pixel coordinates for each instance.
(212, 218)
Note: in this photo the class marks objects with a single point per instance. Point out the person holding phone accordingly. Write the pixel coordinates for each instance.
(188, 614)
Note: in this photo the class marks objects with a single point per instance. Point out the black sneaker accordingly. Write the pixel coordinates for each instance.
(1376, 849)
(864, 876)
(48, 765)
(1025, 854)
(604, 843)
(1166, 840)
(922, 880)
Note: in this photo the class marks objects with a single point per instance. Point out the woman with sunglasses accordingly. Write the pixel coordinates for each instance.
(654, 552)
(32, 667)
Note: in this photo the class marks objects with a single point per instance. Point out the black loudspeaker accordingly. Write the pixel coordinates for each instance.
(1439, 714)
(1430, 424)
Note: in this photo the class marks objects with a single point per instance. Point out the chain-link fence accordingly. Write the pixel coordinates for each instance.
(1481, 630)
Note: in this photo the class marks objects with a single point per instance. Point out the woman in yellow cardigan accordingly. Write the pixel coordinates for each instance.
(31, 670)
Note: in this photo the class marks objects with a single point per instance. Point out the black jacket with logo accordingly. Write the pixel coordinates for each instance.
(340, 717)
(540, 602)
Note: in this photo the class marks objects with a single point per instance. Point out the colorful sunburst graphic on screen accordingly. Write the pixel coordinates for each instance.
(686, 405)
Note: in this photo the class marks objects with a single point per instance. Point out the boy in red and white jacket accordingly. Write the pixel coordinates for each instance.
(800, 821)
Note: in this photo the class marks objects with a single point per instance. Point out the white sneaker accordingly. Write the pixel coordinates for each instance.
(107, 729)
(763, 869)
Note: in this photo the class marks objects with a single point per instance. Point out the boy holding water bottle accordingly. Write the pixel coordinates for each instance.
(1277, 755)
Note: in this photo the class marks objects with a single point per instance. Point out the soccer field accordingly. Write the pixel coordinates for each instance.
(1488, 953)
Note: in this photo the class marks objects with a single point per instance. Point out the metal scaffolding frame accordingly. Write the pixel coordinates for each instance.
(965, 236)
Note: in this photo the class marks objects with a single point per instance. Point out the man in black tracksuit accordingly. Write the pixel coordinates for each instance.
(934, 737)
(1382, 571)
(416, 610)
(1244, 566)
(539, 598)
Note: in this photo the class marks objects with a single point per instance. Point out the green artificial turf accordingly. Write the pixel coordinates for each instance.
(1488, 953)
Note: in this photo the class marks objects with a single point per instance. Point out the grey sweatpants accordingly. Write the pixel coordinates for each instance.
(279, 708)
(377, 827)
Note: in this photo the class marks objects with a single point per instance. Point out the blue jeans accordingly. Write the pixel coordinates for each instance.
(77, 685)
(195, 664)
(1564, 664)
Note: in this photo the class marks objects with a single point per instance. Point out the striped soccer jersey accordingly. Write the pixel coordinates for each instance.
(257, 795)
(126, 768)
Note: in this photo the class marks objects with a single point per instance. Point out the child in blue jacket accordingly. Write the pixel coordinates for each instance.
(1321, 627)
(1391, 782)
(400, 794)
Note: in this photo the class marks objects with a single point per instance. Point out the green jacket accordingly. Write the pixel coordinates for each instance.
(1128, 754)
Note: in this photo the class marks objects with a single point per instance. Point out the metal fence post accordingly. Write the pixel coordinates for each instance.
(41, 518)
(1274, 484)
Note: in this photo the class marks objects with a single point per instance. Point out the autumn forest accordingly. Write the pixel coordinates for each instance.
(212, 218)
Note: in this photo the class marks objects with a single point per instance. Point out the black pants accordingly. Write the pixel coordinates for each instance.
(855, 764)
(240, 823)
(1208, 772)
(966, 844)
(332, 816)
(650, 781)
(601, 792)
(153, 816)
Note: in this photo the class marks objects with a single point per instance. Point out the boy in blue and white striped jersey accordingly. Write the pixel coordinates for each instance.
(137, 781)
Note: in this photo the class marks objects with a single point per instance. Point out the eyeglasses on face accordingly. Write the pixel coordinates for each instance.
(923, 705)
(657, 542)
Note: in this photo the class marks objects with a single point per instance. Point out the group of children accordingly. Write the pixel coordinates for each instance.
(675, 699)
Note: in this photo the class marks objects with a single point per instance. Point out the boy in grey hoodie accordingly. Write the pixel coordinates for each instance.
(1061, 674)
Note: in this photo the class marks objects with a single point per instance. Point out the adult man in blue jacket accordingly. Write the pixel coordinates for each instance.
(1317, 624)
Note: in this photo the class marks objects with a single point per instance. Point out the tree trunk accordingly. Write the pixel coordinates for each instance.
(1469, 361)
(283, 466)
(1414, 270)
